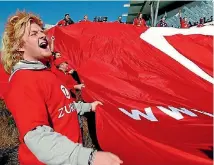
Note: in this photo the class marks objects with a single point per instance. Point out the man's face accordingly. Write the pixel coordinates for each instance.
(63, 66)
(141, 16)
(163, 19)
(58, 55)
(35, 46)
(119, 18)
(185, 19)
(67, 17)
(85, 17)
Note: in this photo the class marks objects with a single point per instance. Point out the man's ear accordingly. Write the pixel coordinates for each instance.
(21, 47)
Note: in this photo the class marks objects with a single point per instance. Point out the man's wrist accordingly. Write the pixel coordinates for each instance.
(91, 157)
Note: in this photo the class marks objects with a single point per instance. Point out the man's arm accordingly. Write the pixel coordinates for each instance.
(71, 21)
(179, 12)
(76, 77)
(52, 43)
(82, 107)
(86, 107)
(53, 148)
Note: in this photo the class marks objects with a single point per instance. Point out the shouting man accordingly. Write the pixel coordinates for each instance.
(44, 112)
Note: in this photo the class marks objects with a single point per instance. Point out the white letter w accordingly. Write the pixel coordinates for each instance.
(135, 114)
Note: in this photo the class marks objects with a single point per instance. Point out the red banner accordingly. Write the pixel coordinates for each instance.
(156, 111)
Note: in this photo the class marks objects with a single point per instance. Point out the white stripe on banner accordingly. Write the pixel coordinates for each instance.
(155, 37)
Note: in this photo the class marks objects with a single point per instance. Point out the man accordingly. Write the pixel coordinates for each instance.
(66, 21)
(183, 21)
(66, 74)
(41, 105)
(56, 60)
(201, 23)
(162, 22)
(85, 19)
(95, 19)
(139, 21)
(119, 20)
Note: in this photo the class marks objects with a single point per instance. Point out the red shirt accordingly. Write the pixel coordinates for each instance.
(62, 22)
(200, 25)
(33, 98)
(139, 22)
(85, 20)
(183, 23)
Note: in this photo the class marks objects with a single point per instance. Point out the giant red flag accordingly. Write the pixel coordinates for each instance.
(157, 109)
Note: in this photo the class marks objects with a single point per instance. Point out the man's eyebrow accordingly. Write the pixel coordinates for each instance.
(34, 31)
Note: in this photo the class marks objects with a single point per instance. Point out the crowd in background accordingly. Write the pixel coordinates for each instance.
(140, 21)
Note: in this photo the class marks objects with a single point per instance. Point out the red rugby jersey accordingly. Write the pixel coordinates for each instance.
(38, 98)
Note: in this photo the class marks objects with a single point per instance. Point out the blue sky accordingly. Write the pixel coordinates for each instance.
(52, 11)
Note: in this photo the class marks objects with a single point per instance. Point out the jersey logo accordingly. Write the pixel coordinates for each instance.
(65, 92)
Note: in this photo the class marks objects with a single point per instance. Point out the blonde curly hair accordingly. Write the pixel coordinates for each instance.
(12, 37)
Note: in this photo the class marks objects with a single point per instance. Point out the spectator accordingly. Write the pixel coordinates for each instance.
(56, 55)
(162, 22)
(119, 20)
(139, 21)
(44, 112)
(57, 58)
(210, 19)
(205, 21)
(66, 74)
(85, 19)
(99, 19)
(201, 24)
(66, 21)
(183, 21)
(190, 24)
(104, 19)
(95, 19)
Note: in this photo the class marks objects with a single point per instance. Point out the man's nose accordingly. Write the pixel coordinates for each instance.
(42, 35)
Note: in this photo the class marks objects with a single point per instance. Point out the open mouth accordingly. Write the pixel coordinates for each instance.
(43, 44)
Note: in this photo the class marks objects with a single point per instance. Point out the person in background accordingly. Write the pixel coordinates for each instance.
(85, 19)
(45, 113)
(139, 21)
(210, 19)
(190, 24)
(183, 21)
(57, 58)
(205, 20)
(66, 21)
(201, 23)
(162, 22)
(67, 75)
(95, 19)
(119, 20)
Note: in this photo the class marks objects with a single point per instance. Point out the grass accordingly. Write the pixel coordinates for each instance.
(8, 137)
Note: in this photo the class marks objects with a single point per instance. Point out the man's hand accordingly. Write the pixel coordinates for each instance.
(71, 71)
(94, 105)
(79, 86)
(52, 38)
(106, 158)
